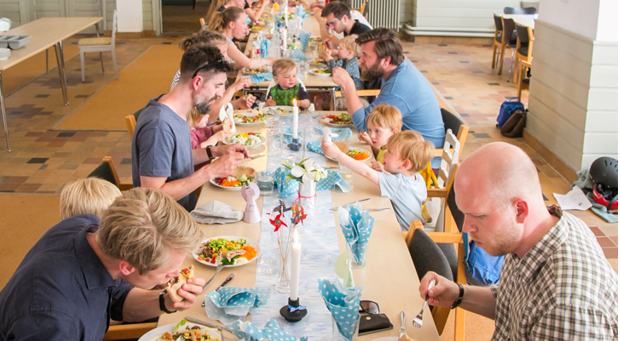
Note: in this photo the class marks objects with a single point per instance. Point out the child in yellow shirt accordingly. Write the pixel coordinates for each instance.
(382, 122)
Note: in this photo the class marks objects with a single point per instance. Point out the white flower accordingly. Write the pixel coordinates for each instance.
(301, 173)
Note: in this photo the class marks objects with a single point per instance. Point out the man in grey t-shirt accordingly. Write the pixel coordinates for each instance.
(161, 149)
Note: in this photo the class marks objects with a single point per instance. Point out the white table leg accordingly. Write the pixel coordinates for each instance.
(4, 118)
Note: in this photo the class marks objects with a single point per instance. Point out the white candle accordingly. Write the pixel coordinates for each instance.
(295, 118)
(295, 267)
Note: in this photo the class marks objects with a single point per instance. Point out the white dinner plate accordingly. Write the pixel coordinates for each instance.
(288, 109)
(361, 150)
(327, 121)
(248, 113)
(250, 72)
(249, 242)
(214, 183)
(155, 334)
(263, 140)
(387, 338)
(315, 72)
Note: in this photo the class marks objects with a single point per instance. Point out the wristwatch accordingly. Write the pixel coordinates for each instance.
(209, 153)
(460, 298)
(162, 303)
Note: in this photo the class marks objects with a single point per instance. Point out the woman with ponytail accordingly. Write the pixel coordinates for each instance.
(231, 23)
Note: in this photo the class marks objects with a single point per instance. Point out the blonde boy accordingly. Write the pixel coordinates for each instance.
(287, 86)
(407, 154)
(383, 121)
(348, 53)
(87, 196)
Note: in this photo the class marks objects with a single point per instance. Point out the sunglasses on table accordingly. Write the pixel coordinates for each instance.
(369, 307)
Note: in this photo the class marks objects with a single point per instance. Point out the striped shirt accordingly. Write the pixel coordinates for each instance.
(562, 289)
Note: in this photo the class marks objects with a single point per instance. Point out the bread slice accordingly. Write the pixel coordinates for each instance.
(248, 171)
(342, 146)
(176, 283)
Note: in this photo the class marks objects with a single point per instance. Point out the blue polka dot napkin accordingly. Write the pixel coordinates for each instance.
(356, 225)
(230, 304)
(288, 188)
(272, 332)
(343, 303)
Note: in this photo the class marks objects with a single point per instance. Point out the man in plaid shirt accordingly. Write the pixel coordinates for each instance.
(556, 283)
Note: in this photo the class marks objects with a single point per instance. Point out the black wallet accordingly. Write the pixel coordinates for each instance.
(374, 323)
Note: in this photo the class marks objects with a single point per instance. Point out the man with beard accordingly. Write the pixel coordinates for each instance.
(161, 148)
(82, 271)
(555, 283)
(403, 86)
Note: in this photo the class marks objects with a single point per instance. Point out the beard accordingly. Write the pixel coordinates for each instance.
(203, 105)
(371, 73)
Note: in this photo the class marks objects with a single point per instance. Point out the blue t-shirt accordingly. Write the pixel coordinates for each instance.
(408, 90)
(407, 196)
(162, 146)
(61, 290)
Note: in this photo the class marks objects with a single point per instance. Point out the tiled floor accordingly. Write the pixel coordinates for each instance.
(43, 160)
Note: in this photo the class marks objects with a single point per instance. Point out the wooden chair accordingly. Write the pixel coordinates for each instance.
(128, 331)
(497, 38)
(100, 44)
(131, 120)
(107, 171)
(451, 244)
(524, 81)
(202, 22)
(454, 123)
(524, 49)
(364, 9)
(508, 40)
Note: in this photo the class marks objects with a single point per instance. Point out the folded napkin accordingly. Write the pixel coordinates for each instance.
(343, 303)
(287, 188)
(315, 146)
(343, 133)
(230, 304)
(298, 55)
(304, 38)
(265, 44)
(215, 212)
(260, 77)
(301, 12)
(249, 332)
(356, 224)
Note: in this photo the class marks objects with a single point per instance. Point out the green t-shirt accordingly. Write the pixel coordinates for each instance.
(285, 97)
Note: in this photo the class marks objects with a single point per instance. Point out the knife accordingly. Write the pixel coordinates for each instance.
(378, 209)
(403, 331)
(363, 200)
(226, 281)
(205, 323)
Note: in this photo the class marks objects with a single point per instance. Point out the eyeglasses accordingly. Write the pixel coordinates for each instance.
(219, 64)
(332, 23)
(369, 307)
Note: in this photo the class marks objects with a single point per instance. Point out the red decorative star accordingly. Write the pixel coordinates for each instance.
(277, 222)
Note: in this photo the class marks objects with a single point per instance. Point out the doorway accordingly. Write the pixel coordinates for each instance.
(182, 16)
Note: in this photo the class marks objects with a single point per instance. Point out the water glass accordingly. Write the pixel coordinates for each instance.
(273, 124)
(264, 181)
(275, 145)
(347, 174)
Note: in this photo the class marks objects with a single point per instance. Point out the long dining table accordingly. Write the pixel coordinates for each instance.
(388, 278)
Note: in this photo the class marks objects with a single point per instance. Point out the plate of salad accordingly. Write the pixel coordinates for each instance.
(321, 72)
(249, 140)
(247, 71)
(181, 331)
(342, 120)
(358, 154)
(241, 176)
(249, 117)
(280, 109)
(231, 251)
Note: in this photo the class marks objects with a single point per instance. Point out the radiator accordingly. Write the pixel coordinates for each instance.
(382, 13)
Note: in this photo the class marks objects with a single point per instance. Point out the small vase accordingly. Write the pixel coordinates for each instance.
(284, 251)
(307, 192)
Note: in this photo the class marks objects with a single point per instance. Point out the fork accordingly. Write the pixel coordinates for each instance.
(417, 321)
(217, 270)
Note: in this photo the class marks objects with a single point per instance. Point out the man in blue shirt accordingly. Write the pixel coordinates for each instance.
(403, 86)
(82, 272)
(161, 149)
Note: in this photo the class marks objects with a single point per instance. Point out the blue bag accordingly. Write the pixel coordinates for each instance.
(481, 269)
(507, 109)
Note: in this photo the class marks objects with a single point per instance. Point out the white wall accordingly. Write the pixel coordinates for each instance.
(459, 13)
(579, 16)
(607, 29)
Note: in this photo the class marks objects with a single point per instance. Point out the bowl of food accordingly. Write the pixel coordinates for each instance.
(230, 251)
(322, 72)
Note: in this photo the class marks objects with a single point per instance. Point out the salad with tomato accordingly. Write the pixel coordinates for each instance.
(246, 139)
(259, 117)
(358, 154)
(343, 119)
(227, 252)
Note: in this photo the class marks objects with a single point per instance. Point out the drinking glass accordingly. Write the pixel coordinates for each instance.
(273, 122)
(265, 183)
(347, 174)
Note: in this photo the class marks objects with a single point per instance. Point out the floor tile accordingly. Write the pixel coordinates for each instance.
(597, 232)
(605, 242)
(37, 160)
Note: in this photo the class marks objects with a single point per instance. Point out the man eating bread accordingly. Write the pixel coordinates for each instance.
(85, 271)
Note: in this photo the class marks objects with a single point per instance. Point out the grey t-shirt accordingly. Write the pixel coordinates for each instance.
(161, 146)
(407, 196)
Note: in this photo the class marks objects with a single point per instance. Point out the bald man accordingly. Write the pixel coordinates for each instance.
(556, 283)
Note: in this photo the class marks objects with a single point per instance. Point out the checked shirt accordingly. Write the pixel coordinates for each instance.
(562, 289)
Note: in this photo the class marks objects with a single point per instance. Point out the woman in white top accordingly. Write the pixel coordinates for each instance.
(231, 23)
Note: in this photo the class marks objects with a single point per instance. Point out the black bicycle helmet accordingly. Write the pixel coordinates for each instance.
(604, 171)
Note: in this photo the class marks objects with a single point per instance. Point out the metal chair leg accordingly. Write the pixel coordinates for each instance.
(47, 63)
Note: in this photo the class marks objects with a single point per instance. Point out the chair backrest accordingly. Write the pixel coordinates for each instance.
(440, 226)
(457, 215)
(455, 123)
(523, 35)
(497, 19)
(114, 26)
(509, 27)
(427, 256)
(449, 158)
(519, 10)
(106, 171)
(364, 10)
(130, 120)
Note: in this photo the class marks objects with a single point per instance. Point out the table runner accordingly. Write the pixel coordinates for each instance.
(319, 241)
